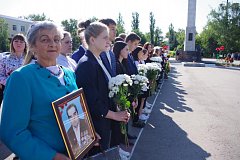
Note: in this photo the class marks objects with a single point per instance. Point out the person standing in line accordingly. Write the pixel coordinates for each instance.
(66, 48)
(149, 48)
(123, 36)
(120, 49)
(12, 61)
(77, 55)
(108, 57)
(138, 56)
(28, 126)
(132, 41)
(93, 77)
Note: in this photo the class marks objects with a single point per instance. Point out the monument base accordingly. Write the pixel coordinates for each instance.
(190, 56)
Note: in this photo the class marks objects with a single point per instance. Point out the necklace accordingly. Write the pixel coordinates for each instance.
(54, 73)
(54, 70)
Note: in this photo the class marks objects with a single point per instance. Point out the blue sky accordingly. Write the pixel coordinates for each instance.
(165, 11)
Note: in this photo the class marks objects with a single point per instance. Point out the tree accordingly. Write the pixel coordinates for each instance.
(93, 19)
(180, 37)
(71, 26)
(120, 24)
(157, 36)
(135, 21)
(172, 37)
(208, 40)
(37, 17)
(222, 28)
(152, 27)
(4, 42)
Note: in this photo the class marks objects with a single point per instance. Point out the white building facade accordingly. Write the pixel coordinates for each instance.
(16, 25)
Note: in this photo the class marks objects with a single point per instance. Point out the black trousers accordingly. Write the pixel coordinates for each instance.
(1, 94)
(116, 135)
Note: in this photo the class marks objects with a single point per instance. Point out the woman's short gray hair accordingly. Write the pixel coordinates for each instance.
(43, 25)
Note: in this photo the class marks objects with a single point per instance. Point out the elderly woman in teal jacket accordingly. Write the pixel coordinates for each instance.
(27, 122)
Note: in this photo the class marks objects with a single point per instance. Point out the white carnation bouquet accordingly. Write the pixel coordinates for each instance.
(156, 59)
(140, 83)
(151, 71)
(119, 91)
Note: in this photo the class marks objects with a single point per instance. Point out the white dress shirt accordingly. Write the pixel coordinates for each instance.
(67, 62)
(103, 67)
(109, 58)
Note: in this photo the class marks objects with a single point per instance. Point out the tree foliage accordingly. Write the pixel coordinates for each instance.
(120, 24)
(172, 37)
(135, 21)
(180, 37)
(4, 42)
(37, 17)
(93, 19)
(157, 36)
(152, 27)
(222, 29)
(71, 26)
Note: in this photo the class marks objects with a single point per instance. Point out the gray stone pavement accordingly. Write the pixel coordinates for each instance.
(195, 117)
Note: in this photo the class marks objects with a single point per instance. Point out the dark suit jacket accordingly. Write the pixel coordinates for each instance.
(77, 55)
(132, 66)
(91, 77)
(111, 70)
(122, 68)
(73, 139)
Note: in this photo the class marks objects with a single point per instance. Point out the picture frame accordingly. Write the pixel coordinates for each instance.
(75, 124)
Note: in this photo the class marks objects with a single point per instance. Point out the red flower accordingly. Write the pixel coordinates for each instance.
(222, 48)
(165, 47)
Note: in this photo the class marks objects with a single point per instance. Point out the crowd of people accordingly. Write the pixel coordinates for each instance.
(41, 68)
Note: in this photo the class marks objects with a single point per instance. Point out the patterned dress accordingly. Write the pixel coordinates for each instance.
(8, 64)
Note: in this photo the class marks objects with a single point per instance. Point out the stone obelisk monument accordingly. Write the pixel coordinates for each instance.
(190, 53)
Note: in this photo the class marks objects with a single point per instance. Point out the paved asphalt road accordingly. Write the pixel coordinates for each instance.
(196, 117)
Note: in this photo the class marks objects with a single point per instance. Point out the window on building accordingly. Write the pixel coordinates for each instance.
(22, 28)
(190, 36)
(14, 27)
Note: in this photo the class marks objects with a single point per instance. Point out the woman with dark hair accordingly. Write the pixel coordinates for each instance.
(12, 61)
(120, 49)
(138, 55)
(148, 46)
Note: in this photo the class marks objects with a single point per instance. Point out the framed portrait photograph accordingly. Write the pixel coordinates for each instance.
(75, 124)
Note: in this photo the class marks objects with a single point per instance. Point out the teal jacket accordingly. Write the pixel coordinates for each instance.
(27, 123)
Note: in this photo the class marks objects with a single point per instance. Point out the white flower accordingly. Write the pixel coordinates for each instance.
(156, 59)
(116, 82)
(125, 84)
(136, 82)
(111, 94)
